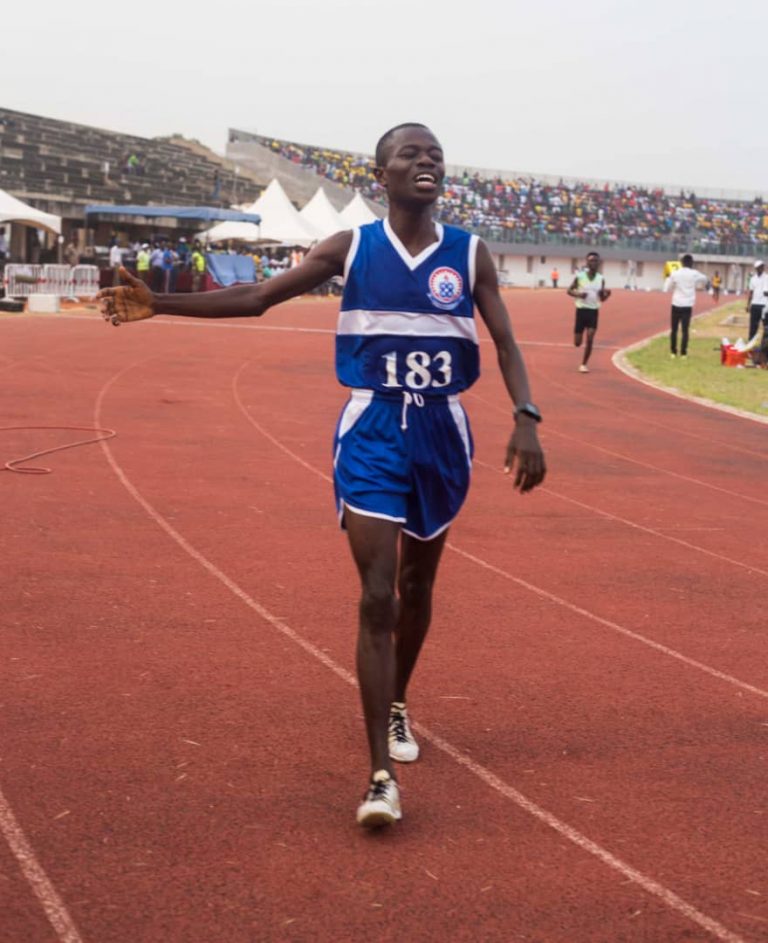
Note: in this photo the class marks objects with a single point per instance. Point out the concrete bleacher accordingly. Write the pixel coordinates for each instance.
(63, 165)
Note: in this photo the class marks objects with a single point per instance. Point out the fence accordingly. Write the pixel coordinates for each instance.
(65, 281)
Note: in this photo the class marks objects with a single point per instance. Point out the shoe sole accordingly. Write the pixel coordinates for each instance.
(403, 759)
(378, 819)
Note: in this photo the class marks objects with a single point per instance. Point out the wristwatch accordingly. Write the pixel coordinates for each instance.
(530, 410)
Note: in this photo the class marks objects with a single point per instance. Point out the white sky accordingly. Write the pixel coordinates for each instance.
(652, 91)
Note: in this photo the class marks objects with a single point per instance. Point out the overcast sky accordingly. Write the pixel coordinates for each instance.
(647, 92)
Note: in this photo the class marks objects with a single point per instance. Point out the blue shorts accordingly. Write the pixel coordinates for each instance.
(403, 457)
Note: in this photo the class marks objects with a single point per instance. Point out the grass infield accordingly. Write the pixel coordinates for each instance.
(701, 373)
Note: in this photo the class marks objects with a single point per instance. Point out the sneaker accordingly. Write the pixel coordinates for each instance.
(583, 368)
(673, 356)
(381, 803)
(402, 745)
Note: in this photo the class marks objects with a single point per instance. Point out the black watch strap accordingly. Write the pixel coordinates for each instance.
(529, 409)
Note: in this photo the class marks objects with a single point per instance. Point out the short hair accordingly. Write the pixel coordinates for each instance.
(595, 254)
(687, 260)
(384, 140)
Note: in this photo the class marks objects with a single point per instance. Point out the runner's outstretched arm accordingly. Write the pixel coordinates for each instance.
(133, 301)
(523, 447)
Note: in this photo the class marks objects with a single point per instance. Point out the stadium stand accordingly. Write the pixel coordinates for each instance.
(524, 209)
(57, 162)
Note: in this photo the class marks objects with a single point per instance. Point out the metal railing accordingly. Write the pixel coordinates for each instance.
(21, 280)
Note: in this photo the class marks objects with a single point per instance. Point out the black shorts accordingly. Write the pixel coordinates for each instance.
(585, 318)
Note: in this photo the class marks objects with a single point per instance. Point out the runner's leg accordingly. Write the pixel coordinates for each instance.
(419, 561)
(373, 542)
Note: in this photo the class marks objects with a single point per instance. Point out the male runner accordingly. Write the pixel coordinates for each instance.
(588, 288)
(406, 346)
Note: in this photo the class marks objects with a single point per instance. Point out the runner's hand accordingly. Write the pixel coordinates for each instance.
(133, 301)
(525, 450)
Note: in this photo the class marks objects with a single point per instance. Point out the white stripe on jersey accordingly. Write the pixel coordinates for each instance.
(408, 323)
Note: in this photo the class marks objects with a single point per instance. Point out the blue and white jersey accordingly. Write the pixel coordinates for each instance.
(407, 322)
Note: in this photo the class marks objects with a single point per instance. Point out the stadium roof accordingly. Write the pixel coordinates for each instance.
(205, 213)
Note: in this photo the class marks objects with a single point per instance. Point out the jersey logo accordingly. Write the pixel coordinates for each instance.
(445, 288)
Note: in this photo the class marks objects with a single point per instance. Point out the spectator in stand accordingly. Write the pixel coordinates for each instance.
(683, 282)
(526, 208)
(143, 260)
(156, 266)
(555, 276)
(757, 298)
(115, 261)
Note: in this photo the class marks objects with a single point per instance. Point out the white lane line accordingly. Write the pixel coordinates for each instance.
(558, 600)
(537, 590)
(212, 324)
(41, 884)
(654, 888)
(649, 530)
(627, 458)
(639, 417)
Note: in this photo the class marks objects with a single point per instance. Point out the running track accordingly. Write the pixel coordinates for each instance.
(182, 746)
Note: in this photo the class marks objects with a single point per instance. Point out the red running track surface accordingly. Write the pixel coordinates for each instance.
(182, 748)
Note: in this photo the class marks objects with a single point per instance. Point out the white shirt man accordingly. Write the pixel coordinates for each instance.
(683, 282)
(115, 256)
(757, 298)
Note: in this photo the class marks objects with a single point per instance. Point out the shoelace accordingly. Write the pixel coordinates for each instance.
(397, 727)
(377, 790)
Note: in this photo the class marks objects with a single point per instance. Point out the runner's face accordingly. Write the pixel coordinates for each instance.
(592, 262)
(414, 168)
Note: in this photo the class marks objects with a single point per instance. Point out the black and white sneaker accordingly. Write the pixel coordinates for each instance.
(402, 744)
(381, 803)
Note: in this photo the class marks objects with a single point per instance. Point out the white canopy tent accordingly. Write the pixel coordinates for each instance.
(319, 212)
(280, 220)
(233, 231)
(357, 212)
(14, 211)
(281, 223)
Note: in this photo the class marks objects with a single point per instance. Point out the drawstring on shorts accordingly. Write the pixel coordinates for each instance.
(409, 399)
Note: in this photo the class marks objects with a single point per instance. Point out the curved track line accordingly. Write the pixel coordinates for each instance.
(731, 446)
(52, 904)
(640, 527)
(537, 590)
(621, 362)
(652, 887)
(628, 458)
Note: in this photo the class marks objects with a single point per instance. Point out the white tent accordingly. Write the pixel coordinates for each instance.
(230, 230)
(280, 220)
(321, 214)
(14, 211)
(357, 212)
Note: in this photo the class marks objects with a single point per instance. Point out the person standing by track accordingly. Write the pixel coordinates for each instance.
(757, 298)
(683, 282)
(406, 346)
(588, 288)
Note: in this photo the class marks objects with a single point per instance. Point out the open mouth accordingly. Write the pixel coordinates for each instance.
(425, 181)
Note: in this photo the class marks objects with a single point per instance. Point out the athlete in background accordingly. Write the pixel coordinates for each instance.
(588, 288)
(406, 345)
